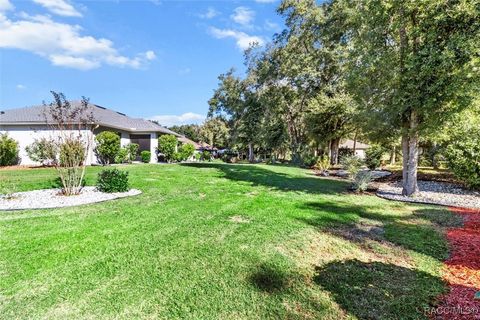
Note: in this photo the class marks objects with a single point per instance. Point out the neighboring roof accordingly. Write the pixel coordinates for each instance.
(102, 116)
(349, 144)
(197, 145)
(185, 140)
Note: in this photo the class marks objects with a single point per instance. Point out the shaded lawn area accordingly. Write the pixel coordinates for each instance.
(221, 241)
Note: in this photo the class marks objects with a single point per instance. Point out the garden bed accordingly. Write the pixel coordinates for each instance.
(52, 198)
(433, 192)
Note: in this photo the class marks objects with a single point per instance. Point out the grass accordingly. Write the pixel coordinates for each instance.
(218, 241)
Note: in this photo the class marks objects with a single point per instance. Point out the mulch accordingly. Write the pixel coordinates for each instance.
(462, 270)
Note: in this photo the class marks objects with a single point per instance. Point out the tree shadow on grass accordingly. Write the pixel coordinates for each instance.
(361, 224)
(377, 290)
(267, 278)
(261, 176)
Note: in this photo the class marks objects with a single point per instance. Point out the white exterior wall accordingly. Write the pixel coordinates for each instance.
(124, 138)
(153, 147)
(26, 135)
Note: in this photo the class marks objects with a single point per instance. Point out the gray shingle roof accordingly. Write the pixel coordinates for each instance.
(349, 144)
(102, 116)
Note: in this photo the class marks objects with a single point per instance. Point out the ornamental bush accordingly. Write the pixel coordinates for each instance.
(352, 165)
(146, 156)
(113, 180)
(132, 149)
(463, 158)
(8, 151)
(122, 155)
(108, 146)
(167, 145)
(186, 151)
(373, 156)
(361, 181)
(43, 150)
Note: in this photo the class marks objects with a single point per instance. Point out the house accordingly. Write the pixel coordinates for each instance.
(359, 147)
(27, 124)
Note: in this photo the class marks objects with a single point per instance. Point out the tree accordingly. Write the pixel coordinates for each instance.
(214, 131)
(411, 64)
(107, 146)
(238, 100)
(73, 129)
(167, 145)
(191, 131)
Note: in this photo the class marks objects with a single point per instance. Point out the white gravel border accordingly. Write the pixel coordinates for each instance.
(433, 192)
(52, 198)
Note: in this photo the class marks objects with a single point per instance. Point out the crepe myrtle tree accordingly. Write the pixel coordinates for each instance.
(73, 126)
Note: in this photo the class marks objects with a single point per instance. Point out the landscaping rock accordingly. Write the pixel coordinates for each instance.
(52, 198)
(433, 192)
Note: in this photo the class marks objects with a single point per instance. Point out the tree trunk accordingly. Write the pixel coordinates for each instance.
(334, 151)
(251, 156)
(434, 156)
(393, 155)
(410, 156)
(355, 143)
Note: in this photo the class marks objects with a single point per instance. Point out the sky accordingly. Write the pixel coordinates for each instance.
(154, 59)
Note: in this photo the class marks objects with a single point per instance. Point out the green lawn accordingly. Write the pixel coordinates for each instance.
(218, 241)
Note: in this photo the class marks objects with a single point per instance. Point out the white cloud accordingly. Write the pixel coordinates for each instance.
(20, 87)
(243, 40)
(243, 16)
(5, 5)
(63, 43)
(186, 118)
(209, 14)
(60, 7)
(150, 55)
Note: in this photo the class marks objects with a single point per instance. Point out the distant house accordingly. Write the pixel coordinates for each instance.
(359, 147)
(27, 124)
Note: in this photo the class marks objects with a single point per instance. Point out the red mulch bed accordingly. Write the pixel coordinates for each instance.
(462, 270)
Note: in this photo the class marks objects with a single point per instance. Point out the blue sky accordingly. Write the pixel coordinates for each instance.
(152, 59)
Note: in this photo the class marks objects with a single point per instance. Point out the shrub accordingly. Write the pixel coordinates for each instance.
(132, 149)
(43, 150)
(361, 180)
(322, 164)
(122, 155)
(167, 145)
(352, 164)
(230, 156)
(113, 180)
(186, 151)
(309, 161)
(108, 146)
(206, 155)
(345, 152)
(373, 156)
(198, 156)
(146, 156)
(463, 158)
(8, 151)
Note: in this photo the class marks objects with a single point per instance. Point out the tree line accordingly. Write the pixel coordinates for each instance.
(402, 74)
